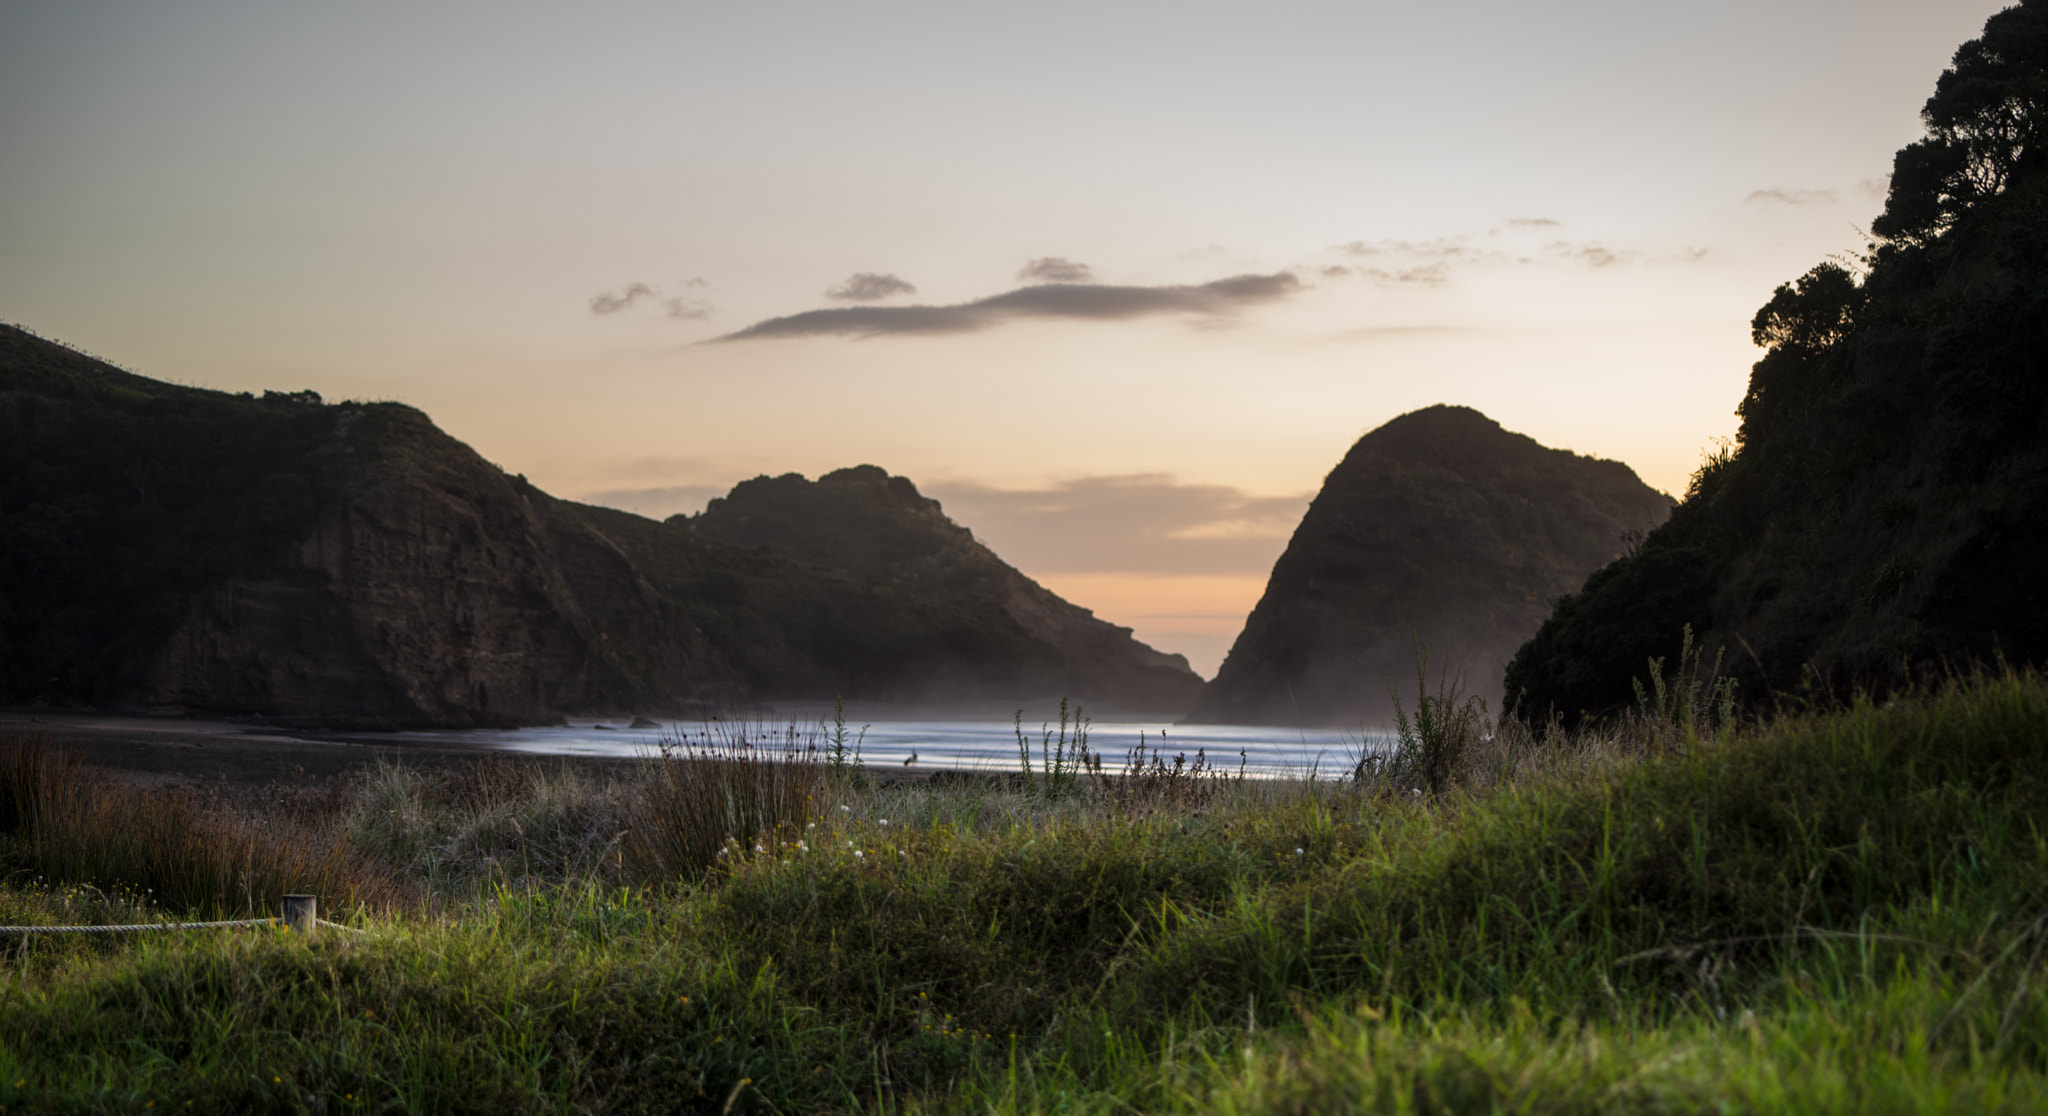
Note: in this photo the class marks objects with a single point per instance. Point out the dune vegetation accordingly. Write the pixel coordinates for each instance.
(1840, 910)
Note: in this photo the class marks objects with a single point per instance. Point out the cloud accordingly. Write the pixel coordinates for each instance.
(1593, 255)
(1137, 523)
(611, 302)
(685, 305)
(1442, 248)
(869, 286)
(1432, 263)
(1053, 269)
(1067, 301)
(1775, 196)
(1428, 275)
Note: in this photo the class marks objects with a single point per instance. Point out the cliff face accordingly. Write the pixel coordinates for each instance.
(353, 565)
(871, 526)
(432, 589)
(1881, 514)
(1440, 526)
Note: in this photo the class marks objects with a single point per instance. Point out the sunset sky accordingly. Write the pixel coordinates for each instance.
(1171, 259)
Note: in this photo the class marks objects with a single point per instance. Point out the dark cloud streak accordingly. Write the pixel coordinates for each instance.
(1053, 301)
(1053, 269)
(870, 286)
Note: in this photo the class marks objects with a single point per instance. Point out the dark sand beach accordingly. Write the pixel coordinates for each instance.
(173, 752)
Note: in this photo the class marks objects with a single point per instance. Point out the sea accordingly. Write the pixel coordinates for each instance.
(985, 745)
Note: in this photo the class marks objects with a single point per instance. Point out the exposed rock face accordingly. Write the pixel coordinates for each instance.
(1438, 526)
(434, 589)
(353, 565)
(869, 525)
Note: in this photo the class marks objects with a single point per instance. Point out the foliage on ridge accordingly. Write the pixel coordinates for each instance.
(1884, 508)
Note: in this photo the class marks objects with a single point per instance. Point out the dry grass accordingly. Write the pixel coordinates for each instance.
(190, 855)
(732, 786)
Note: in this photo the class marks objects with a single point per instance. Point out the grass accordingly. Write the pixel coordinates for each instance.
(1832, 912)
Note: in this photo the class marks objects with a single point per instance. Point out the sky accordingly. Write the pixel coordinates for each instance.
(1116, 282)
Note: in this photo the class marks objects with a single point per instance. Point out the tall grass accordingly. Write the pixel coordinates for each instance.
(731, 788)
(1839, 912)
(1434, 746)
(1061, 758)
(76, 824)
(497, 822)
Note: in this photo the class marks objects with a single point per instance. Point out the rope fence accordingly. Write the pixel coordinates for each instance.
(300, 913)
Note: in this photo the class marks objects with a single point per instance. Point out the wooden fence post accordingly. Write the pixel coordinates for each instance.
(302, 914)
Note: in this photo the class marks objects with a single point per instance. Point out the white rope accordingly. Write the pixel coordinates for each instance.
(139, 926)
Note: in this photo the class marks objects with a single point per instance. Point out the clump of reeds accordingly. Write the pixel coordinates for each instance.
(1690, 705)
(1062, 757)
(729, 787)
(1434, 747)
(1148, 784)
(77, 824)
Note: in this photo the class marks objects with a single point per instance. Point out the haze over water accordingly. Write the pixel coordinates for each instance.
(1265, 751)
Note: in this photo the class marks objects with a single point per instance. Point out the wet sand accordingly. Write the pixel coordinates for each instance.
(169, 752)
(176, 752)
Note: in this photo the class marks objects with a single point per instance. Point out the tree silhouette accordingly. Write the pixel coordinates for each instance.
(1984, 127)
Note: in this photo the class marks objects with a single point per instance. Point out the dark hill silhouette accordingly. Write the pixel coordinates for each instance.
(1885, 510)
(181, 549)
(1438, 525)
(869, 525)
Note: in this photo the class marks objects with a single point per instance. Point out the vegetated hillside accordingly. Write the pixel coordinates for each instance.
(1885, 507)
(1438, 526)
(185, 549)
(874, 527)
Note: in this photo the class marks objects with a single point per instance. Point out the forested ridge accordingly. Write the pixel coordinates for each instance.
(1883, 510)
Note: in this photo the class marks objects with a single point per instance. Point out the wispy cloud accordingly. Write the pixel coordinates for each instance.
(1432, 263)
(870, 286)
(1053, 269)
(685, 304)
(1068, 301)
(611, 302)
(1592, 255)
(1448, 248)
(1427, 275)
(1778, 196)
(1147, 522)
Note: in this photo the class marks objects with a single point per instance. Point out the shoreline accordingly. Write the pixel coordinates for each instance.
(167, 753)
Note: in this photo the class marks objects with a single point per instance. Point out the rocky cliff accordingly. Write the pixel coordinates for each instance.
(276, 556)
(871, 526)
(1881, 515)
(1438, 526)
